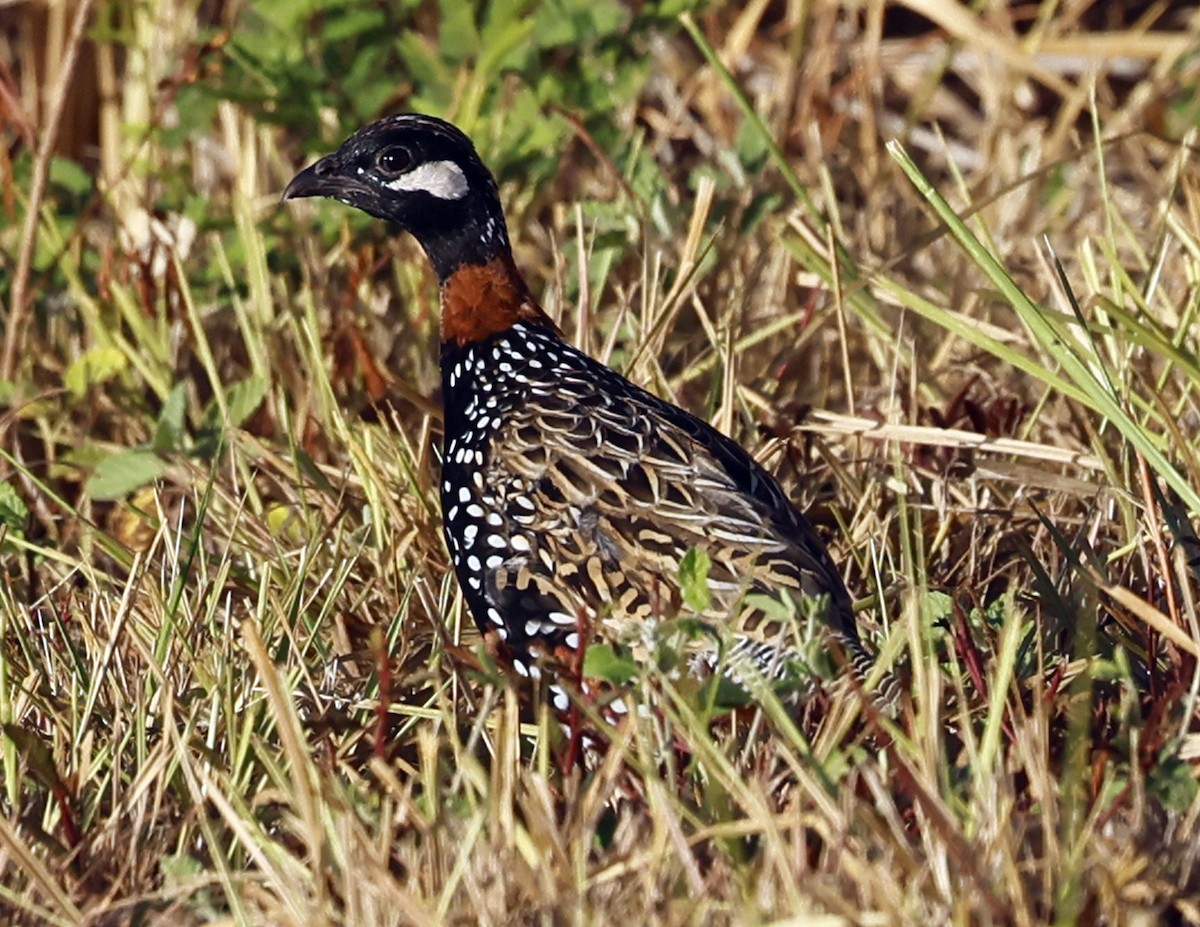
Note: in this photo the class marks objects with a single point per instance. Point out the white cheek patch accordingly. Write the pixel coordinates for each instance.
(443, 179)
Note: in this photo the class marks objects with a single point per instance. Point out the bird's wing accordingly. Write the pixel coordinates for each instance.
(618, 487)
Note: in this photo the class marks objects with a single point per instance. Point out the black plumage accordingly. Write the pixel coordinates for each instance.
(569, 494)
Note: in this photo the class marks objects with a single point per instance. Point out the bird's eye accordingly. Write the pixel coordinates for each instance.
(393, 160)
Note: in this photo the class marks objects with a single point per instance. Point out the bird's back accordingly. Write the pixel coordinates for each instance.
(571, 497)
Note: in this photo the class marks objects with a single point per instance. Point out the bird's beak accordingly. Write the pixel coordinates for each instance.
(322, 178)
(307, 183)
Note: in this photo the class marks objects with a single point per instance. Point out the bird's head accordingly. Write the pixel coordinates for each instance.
(422, 174)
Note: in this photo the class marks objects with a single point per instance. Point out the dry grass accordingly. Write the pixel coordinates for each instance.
(248, 693)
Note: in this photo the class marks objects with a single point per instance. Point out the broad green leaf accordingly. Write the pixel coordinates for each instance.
(601, 662)
(243, 398)
(424, 66)
(693, 580)
(84, 456)
(458, 36)
(70, 176)
(170, 429)
(773, 606)
(501, 44)
(13, 510)
(123, 472)
(577, 22)
(99, 365)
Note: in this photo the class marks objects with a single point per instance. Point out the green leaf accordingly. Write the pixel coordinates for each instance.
(577, 22)
(458, 37)
(601, 662)
(353, 23)
(722, 693)
(84, 456)
(170, 429)
(773, 606)
(70, 176)
(99, 365)
(14, 513)
(180, 869)
(503, 46)
(243, 398)
(121, 473)
(941, 606)
(1174, 782)
(693, 580)
(425, 68)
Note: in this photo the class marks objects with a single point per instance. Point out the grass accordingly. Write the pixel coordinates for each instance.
(942, 281)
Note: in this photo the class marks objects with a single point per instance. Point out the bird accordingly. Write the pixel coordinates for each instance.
(571, 496)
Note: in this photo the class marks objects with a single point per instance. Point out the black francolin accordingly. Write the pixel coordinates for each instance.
(569, 495)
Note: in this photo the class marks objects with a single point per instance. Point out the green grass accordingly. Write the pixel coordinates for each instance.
(237, 682)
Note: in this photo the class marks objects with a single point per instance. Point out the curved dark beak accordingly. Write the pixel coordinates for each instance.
(308, 182)
(324, 178)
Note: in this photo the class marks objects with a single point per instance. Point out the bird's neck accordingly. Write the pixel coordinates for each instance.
(477, 237)
(483, 299)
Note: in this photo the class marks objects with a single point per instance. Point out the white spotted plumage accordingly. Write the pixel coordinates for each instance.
(570, 495)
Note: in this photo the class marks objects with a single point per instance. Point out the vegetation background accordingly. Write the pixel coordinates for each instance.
(937, 264)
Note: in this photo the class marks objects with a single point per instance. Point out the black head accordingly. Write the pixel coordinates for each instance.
(422, 174)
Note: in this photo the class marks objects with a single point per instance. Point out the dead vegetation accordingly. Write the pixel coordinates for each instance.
(237, 684)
